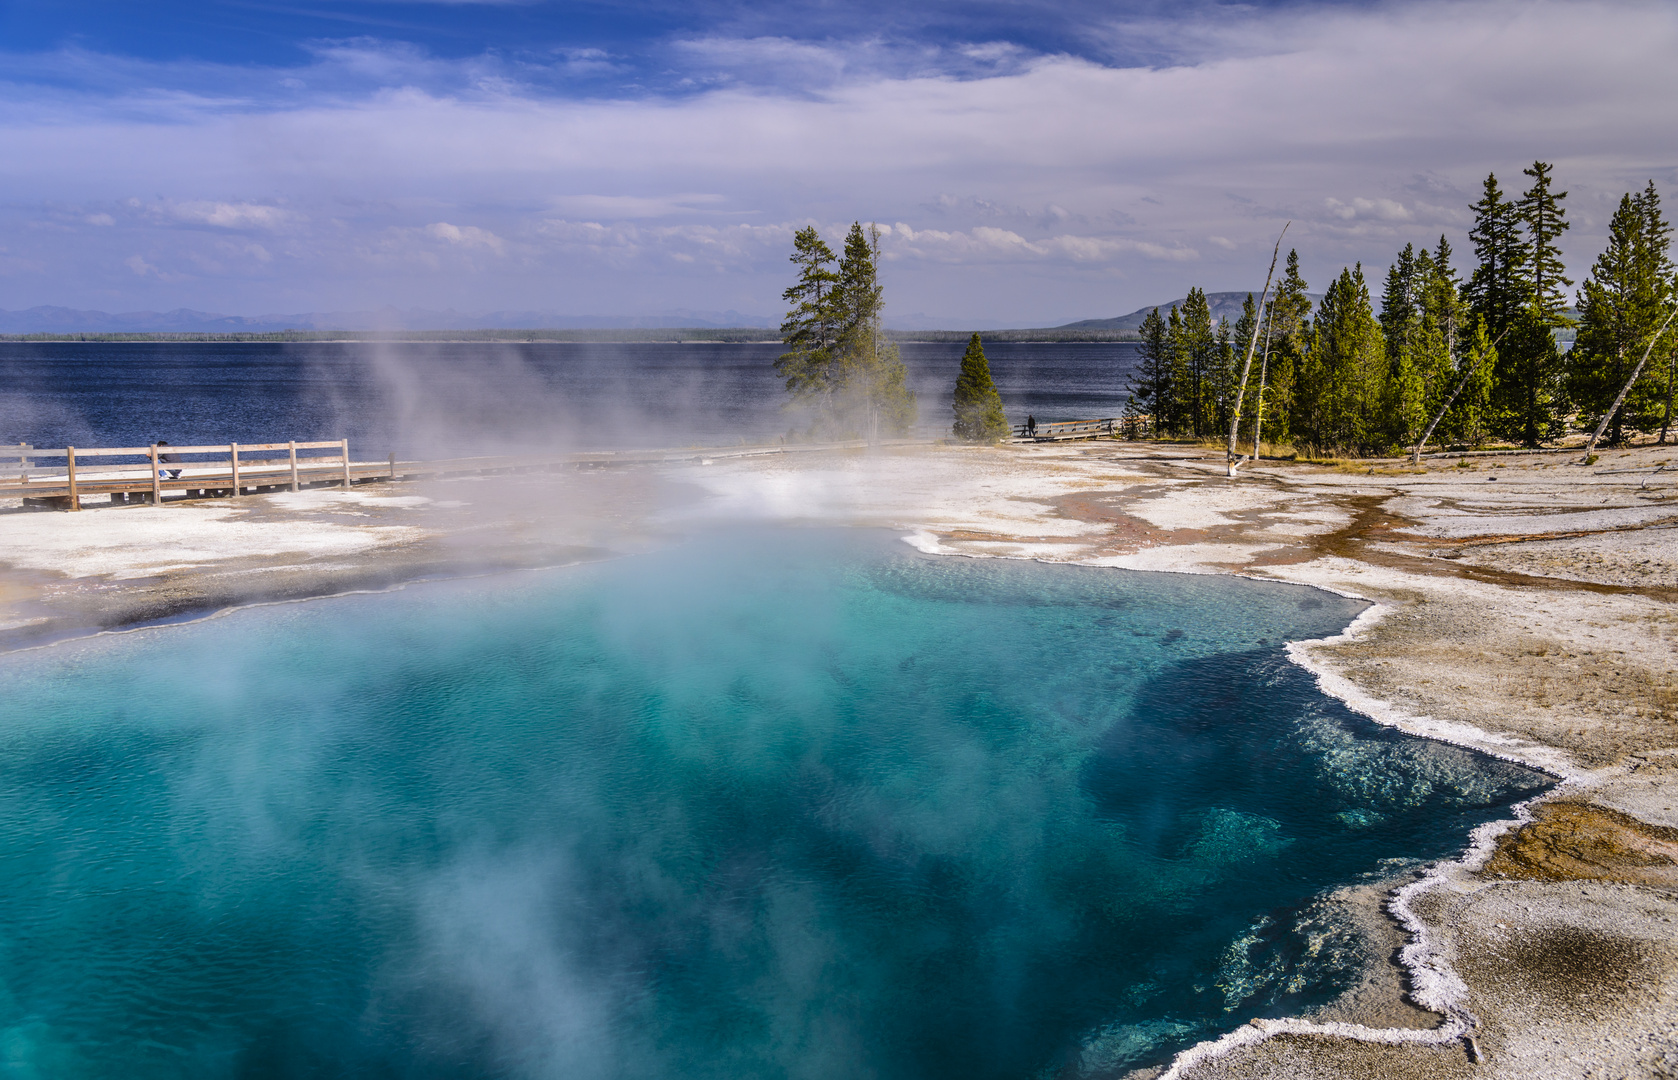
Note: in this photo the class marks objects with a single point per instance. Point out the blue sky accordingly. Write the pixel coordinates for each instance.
(1032, 162)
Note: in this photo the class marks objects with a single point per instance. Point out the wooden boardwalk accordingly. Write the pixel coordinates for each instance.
(64, 478)
(1063, 430)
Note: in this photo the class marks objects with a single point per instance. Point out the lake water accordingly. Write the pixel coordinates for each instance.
(767, 803)
(436, 400)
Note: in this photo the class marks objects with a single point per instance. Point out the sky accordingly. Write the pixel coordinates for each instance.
(1030, 163)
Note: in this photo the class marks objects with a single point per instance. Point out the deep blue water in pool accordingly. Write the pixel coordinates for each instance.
(771, 803)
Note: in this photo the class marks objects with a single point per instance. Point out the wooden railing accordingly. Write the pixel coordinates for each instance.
(1129, 427)
(231, 469)
(236, 469)
(1069, 429)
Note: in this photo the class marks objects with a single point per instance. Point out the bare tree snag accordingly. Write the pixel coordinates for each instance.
(1252, 347)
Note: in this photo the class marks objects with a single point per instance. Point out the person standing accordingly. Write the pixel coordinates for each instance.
(1030, 426)
(174, 474)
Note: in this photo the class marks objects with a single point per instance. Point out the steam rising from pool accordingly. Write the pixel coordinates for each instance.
(773, 803)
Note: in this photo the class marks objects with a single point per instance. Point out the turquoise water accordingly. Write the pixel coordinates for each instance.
(764, 804)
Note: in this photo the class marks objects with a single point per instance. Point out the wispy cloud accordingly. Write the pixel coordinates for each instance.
(227, 215)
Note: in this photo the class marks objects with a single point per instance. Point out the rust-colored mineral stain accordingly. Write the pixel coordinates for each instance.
(1569, 841)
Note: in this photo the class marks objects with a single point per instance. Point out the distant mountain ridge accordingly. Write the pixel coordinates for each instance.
(1224, 305)
(49, 319)
(63, 320)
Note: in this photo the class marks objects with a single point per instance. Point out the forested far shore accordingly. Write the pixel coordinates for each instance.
(1443, 360)
(676, 335)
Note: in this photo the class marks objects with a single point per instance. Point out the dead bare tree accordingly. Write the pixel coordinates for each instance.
(1252, 347)
(1626, 389)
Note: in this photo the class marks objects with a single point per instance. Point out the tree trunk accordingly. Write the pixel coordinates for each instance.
(1671, 370)
(1252, 346)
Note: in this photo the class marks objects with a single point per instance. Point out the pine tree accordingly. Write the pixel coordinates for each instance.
(810, 330)
(1151, 386)
(1197, 352)
(1400, 301)
(873, 395)
(1466, 420)
(857, 294)
(1221, 379)
(1620, 305)
(1242, 331)
(1288, 337)
(1349, 359)
(1454, 394)
(1501, 285)
(1433, 346)
(1526, 387)
(1544, 218)
(1527, 381)
(1401, 325)
(978, 407)
(1658, 236)
(1181, 419)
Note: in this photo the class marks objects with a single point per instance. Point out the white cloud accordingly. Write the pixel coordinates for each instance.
(1369, 209)
(225, 215)
(1368, 127)
(987, 243)
(103, 220)
(468, 236)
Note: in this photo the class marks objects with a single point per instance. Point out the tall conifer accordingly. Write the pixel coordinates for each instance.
(811, 329)
(1620, 305)
(1151, 385)
(1242, 331)
(1526, 385)
(1400, 300)
(1288, 338)
(1545, 220)
(1349, 362)
(1501, 285)
(1197, 352)
(978, 406)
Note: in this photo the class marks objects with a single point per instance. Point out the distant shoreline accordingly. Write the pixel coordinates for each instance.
(674, 336)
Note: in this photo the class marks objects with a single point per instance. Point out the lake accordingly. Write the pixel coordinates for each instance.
(431, 400)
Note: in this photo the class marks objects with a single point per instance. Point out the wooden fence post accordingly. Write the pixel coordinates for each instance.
(345, 446)
(233, 451)
(292, 447)
(393, 464)
(70, 465)
(156, 479)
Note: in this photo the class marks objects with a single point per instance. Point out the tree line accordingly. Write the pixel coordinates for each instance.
(1457, 361)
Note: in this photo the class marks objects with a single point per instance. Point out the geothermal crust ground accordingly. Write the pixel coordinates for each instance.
(1524, 606)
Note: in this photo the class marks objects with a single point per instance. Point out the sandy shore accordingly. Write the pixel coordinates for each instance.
(1524, 605)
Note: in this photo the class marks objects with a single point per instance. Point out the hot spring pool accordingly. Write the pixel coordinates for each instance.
(777, 803)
